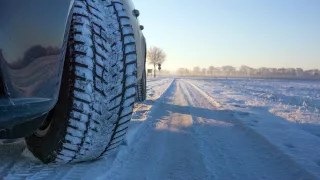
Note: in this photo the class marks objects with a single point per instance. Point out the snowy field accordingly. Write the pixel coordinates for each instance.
(203, 129)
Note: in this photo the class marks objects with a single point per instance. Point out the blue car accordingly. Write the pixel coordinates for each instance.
(70, 73)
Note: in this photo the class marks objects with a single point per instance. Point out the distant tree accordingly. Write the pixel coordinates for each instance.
(181, 71)
(229, 70)
(264, 72)
(187, 71)
(217, 71)
(246, 70)
(203, 71)
(274, 71)
(281, 71)
(156, 56)
(165, 72)
(211, 70)
(312, 72)
(299, 71)
(291, 72)
(196, 70)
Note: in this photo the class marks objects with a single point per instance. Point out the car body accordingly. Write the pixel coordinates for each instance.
(33, 40)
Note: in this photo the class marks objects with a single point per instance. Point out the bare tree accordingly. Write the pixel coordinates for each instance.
(229, 70)
(203, 71)
(181, 71)
(217, 71)
(281, 71)
(211, 70)
(246, 70)
(299, 71)
(156, 56)
(274, 71)
(196, 71)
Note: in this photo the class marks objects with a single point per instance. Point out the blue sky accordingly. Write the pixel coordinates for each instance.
(258, 33)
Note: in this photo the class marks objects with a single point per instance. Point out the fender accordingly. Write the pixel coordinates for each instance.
(140, 40)
(33, 36)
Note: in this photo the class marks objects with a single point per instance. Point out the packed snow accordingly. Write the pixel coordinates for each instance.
(203, 129)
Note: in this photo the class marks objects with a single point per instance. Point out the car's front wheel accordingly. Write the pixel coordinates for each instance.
(98, 86)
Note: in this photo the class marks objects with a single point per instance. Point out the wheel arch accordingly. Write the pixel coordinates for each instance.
(43, 73)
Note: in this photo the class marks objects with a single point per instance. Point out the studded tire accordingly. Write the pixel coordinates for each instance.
(98, 86)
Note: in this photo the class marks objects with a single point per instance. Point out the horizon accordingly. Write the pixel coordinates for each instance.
(271, 34)
(237, 67)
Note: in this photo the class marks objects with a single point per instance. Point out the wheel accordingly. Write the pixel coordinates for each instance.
(98, 87)
(142, 88)
(142, 84)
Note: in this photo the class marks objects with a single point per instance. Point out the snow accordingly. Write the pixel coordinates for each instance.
(283, 112)
(201, 129)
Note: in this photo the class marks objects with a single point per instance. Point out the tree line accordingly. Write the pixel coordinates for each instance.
(246, 71)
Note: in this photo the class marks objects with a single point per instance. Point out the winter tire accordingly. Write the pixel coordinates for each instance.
(98, 87)
(142, 83)
(142, 88)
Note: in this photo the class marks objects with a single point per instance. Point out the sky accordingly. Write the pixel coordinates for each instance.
(257, 33)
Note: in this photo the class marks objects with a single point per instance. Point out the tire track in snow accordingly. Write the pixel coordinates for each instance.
(231, 150)
(297, 142)
(167, 151)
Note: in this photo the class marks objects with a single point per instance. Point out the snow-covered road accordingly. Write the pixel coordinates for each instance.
(186, 130)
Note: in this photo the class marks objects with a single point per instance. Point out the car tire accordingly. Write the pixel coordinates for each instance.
(142, 88)
(98, 87)
(142, 83)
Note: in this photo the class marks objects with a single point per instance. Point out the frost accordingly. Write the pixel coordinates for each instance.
(122, 13)
(63, 158)
(118, 7)
(130, 92)
(127, 102)
(131, 58)
(127, 30)
(78, 124)
(86, 39)
(84, 73)
(78, 115)
(125, 21)
(124, 119)
(82, 96)
(73, 140)
(131, 69)
(87, 86)
(70, 146)
(85, 49)
(99, 71)
(128, 39)
(126, 111)
(130, 81)
(82, 106)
